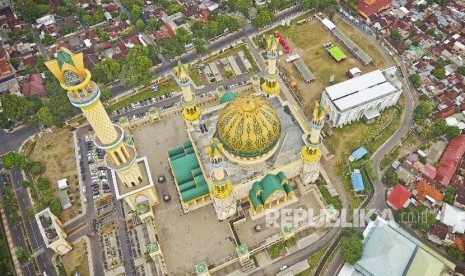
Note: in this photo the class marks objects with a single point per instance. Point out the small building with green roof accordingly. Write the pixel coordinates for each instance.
(187, 173)
(337, 53)
(227, 97)
(270, 191)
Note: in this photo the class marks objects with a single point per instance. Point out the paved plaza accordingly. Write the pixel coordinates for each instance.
(186, 240)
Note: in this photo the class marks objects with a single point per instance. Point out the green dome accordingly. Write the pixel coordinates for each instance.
(227, 97)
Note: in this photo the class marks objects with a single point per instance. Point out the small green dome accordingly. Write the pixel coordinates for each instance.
(227, 97)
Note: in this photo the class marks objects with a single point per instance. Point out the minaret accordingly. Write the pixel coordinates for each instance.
(311, 152)
(190, 112)
(83, 93)
(221, 188)
(271, 85)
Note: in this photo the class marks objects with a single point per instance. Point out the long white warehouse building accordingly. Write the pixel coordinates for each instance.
(363, 96)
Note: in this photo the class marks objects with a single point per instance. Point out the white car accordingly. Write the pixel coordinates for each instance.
(283, 268)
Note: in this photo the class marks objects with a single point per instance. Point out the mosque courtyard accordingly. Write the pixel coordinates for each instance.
(188, 239)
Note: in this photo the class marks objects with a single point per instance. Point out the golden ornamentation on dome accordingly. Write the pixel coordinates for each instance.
(248, 126)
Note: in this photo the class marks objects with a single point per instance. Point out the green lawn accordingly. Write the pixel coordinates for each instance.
(358, 134)
(195, 76)
(334, 200)
(232, 51)
(276, 250)
(313, 261)
(166, 87)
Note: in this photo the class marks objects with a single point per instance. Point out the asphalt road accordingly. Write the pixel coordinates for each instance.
(18, 239)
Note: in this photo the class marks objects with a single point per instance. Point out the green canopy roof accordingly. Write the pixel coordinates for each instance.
(187, 172)
(261, 191)
(337, 54)
(227, 97)
(63, 57)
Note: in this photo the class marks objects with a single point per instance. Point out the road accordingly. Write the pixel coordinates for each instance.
(378, 198)
(17, 236)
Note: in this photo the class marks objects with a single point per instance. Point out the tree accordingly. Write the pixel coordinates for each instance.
(17, 108)
(34, 10)
(43, 183)
(105, 92)
(439, 73)
(106, 71)
(27, 184)
(423, 218)
(200, 47)
(152, 24)
(449, 195)
(5, 123)
(66, 30)
(55, 206)
(423, 110)
(153, 52)
(242, 6)
(462, 70)
(390, 177)
(309, 4)
(14, 62)
(47, 40)
(23, 256)
(415, 80)
(35, 168)
(263, 18)
(395, 35)
(452, 132)
(136, 67)
(351, 247)
(45, 116)
(456, 254)
(183, 36)
(40, 65)
(140, 24)
(14, 160)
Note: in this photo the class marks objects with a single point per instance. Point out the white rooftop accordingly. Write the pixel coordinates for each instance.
(454, 217)
(328, 24)
(364, 88)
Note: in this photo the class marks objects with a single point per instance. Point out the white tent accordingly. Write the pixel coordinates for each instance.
(63, 183)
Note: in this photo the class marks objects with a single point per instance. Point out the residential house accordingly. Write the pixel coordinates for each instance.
(423, 191)
(453, 217)
(450, 160)
(399, 197)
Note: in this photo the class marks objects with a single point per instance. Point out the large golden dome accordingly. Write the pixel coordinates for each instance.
(249, 127)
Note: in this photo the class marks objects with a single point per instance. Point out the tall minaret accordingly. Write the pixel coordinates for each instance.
(83, 93)
(190, 112)
(221, 188)
(311, 152)
(271, 85)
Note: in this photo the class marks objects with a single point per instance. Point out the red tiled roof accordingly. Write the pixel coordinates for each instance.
(460, 195)
(398, 197)
(449, 111)
(440, 230)
(459, 243)
(450, 160)
(4, 67)
(424, 189)
(34, 88)
(369, 7)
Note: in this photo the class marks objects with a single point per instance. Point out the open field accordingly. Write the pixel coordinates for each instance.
(56, 153)
(318, 60)
(76, 260)
(366, 45)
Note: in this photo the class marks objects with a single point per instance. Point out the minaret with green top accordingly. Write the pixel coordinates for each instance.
(311, 152)
(221, 187)
(271, 85)
(190, 110)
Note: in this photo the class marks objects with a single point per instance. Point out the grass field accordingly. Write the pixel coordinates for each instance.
(56, 153)
(320, 62)
(166, 87)
(76, 260)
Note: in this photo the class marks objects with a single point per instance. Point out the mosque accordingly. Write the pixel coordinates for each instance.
(248, 153)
